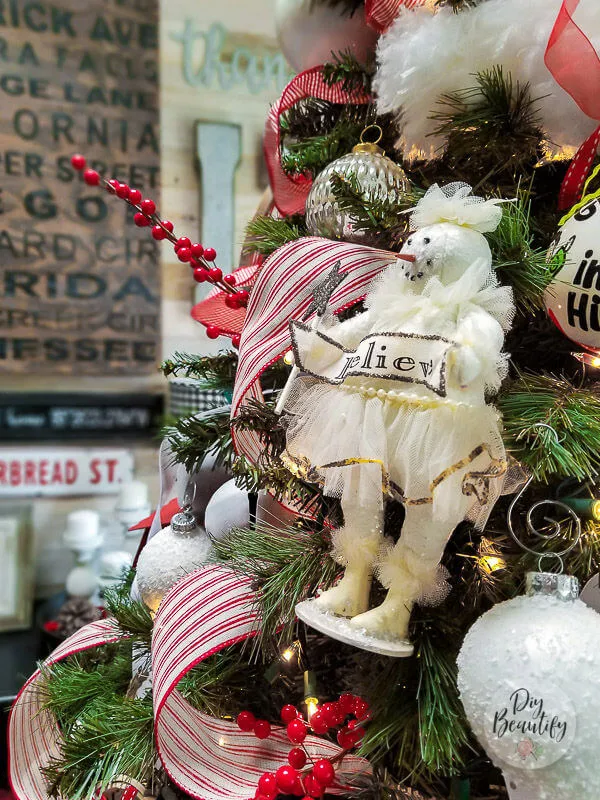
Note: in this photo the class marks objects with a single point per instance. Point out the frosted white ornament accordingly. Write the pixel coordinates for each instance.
(572, 299)
(528, 679)
(173, 552)
(308, 32)
(228, 508)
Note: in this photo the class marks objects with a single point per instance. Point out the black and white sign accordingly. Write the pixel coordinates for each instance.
(38, 417)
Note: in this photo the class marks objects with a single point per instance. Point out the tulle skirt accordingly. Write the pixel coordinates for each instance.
(419, 450)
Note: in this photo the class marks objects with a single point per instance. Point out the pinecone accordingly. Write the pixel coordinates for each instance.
(74, 614)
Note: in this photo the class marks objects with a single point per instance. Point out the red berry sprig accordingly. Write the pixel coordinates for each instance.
(302, 776)
(201, 259)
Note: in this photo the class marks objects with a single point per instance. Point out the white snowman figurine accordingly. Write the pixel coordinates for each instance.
(409, 417)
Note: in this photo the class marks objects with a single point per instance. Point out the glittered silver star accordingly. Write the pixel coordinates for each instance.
(324, 290)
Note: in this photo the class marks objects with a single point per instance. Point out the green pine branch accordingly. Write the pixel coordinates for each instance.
(346, 70)
(312, 154)
(69, 685)
(552, 428)
(517, 261)
(193, 438)
(133, 618)
(286, 564)
(262, 419)
(112, 736)
(272, 476)
(495, 108)
(310, 117)
(418, 728)
(213, 372)
(372, 210)
(264, 235)
(218, 686)
(492, 131)
(457, 5)
(348, 7)
(271, 473)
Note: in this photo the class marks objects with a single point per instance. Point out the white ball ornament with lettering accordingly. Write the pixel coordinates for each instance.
(309, 31)
(573, 298)
(172, 553)
(396, 402)
(528, 679)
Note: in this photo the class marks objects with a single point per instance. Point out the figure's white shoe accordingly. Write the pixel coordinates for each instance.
(387, 621)
(350, 597)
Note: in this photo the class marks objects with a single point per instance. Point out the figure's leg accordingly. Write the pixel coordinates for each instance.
(356, 546)
(409, 569)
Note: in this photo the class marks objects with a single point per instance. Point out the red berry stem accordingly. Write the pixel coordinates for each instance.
(124, 192)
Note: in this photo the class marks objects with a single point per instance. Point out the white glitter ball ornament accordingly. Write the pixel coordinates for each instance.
(528, 679)
(376, 175)
(309, 32)
(173, 552)
(573, 298)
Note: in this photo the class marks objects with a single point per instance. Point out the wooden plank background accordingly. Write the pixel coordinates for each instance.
(192, 90)
(79, 284)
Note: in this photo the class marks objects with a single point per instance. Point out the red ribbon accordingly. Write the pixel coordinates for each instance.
(290, 191)
(381, 13)
(209, 758)
(575, 65)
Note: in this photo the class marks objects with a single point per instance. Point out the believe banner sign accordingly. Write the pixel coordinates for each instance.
(405, 357)
(79, 283)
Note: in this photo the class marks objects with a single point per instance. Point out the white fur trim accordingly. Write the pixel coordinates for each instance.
(424, 56)
(352, 546)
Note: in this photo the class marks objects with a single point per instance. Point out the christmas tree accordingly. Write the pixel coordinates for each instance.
(425, 193)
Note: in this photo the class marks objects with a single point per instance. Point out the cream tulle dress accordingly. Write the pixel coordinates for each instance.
(368, 434)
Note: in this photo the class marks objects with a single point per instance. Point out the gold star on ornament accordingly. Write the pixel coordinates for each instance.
(324, 290)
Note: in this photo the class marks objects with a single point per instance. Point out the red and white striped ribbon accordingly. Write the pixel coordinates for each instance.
(290, 192)
(381, 13)
(283, 291)
(33, 734)
(211, 759)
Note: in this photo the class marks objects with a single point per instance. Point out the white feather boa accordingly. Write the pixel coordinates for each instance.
(425, 55)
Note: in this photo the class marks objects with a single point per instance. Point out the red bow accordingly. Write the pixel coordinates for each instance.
(572, 60)
(290, 191)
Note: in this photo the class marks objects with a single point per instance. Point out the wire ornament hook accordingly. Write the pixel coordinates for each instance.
(555, 526)
(553, 534)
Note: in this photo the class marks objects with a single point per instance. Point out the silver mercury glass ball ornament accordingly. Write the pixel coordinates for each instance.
(172, 553)
(528, 680)
(376, 175)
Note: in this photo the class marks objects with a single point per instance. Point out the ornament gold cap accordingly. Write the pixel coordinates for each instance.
(370, 147)
(551, 584)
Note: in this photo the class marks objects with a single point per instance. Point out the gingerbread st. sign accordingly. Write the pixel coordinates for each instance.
(79, 285)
